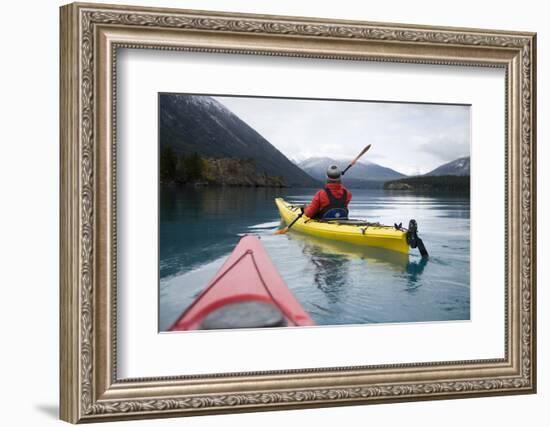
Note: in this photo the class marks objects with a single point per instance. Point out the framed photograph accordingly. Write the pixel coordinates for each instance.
(266, 212)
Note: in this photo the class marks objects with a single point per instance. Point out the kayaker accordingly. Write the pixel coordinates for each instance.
(332, 201)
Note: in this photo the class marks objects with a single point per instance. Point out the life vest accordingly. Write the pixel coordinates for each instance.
(336, 208)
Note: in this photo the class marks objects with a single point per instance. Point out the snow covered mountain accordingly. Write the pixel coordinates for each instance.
(363, 171)
(458, 167)
(200, 124)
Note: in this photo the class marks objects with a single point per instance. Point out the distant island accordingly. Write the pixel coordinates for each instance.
(444, 183)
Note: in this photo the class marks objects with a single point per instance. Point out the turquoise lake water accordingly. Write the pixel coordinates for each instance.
(336, 283)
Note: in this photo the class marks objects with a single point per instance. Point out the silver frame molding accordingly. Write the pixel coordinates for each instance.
(90, 37)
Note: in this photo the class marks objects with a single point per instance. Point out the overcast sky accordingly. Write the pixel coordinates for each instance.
(410, 138)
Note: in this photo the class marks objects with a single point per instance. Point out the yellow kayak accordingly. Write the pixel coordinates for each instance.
(355, 232)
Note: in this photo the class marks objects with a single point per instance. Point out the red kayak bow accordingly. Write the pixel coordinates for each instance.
(246, 292)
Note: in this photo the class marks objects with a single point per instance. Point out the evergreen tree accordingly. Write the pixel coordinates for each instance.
(181, 175)
(190, 168)
(193, 166)
(168, 163)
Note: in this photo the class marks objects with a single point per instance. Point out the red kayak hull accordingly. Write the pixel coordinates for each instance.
(247, 275)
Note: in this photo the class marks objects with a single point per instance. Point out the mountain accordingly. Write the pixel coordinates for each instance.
(458, 167)
(200, 124)
(452, 177)
(362, 171)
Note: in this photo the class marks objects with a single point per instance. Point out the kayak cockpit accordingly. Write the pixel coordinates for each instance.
(244, 314)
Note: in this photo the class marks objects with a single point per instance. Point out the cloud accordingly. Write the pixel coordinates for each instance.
(410, 138)
(446, 148)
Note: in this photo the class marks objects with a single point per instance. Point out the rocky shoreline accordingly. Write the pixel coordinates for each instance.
(197, 171)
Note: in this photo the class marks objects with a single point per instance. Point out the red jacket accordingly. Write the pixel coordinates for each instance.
(321, 200)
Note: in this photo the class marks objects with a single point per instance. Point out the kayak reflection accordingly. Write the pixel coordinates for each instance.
(332, 259)
(331, 273)
(346, 251)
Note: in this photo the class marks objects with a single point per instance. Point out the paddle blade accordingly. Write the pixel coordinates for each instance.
(361, 153)
(357, 158)
(281, 231)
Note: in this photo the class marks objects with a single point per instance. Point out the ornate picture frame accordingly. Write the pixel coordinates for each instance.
(90, 37)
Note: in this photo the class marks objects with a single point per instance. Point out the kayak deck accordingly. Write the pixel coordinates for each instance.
(247, 276)
(350, 231)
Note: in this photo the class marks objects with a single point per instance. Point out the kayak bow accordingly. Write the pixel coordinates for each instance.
(350, 231)
(246, 292)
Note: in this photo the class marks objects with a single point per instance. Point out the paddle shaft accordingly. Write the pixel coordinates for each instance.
(357, 158)
(293, 222)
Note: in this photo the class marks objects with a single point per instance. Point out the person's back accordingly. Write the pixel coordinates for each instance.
(332, 201)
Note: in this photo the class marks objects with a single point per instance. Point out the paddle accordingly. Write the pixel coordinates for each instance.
(285, 229)
(357, 158)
